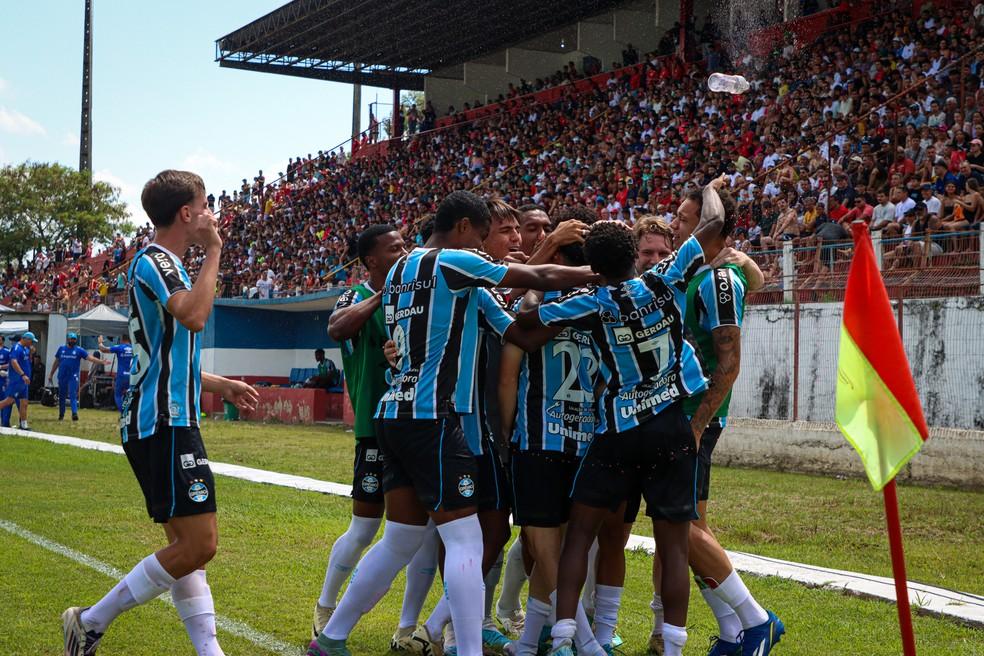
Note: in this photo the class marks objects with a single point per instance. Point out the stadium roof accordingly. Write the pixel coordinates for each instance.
(391, 44)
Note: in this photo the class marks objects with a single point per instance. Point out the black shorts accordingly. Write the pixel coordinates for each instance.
(172, 469)
(367, 482)
(708, 441)
(492, 485)
(658, 459)
(432, 457)
(542, 483)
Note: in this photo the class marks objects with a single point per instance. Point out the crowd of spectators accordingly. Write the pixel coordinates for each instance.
(809, 148)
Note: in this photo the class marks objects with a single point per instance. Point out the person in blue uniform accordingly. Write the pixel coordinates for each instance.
(4, 373)
(124, 358)
(19, 379)
(68, 364)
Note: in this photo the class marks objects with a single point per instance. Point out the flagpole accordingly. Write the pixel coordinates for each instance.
(898, 568)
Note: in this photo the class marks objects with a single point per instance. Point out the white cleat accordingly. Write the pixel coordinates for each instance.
(421, 642)
(78, 641)
(512, 622)
(321, 617)
(401, 639)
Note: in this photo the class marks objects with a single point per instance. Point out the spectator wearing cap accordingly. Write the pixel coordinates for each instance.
(976, 158)
(933, 205)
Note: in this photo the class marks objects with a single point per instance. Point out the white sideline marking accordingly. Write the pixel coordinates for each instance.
(965, 607)
(229, 625)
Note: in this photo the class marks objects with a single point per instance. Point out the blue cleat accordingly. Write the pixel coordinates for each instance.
(759, 640)
(721, 647)
(565, 649)
(493, 642)
(326, 647)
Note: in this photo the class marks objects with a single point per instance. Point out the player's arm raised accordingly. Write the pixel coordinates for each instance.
(346, 322)
(547, 277)
(727, 348)
(753, 274)
(711, 223)
(240, 394)
(191, 308)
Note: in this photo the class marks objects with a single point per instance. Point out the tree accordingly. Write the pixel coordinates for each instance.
(409, 98)
(47, 205)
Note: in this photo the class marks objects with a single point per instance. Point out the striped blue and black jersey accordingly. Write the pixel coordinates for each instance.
(166, 377)
(555, 404)
(431, 315)
(493, 321)
(637, 327)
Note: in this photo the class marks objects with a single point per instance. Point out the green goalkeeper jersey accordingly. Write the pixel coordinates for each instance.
(364, 363)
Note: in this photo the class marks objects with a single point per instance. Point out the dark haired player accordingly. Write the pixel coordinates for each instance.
(643, 440)
(159, 424)
(548, 411)
(357, 323)
(431, 312)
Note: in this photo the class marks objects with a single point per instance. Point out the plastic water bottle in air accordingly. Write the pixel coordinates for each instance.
(727, 83)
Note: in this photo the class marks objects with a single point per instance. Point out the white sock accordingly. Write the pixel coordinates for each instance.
(562, 630)
(537, 613)
(674, 638)
(463, 581)
(608, 598)
(491, 581)
(584, 638)
(657, 607)
(440, 617)
(420, 578)
(729, 626)
(345, 555)
(148, 580)
(512, 581)
(374, 575)
(588, 592)
(734, 593)
(193, 600)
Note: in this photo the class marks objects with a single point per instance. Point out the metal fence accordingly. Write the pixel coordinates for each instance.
(791, 332)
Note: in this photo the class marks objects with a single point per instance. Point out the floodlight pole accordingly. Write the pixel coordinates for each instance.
(356, 107)
(85, 135)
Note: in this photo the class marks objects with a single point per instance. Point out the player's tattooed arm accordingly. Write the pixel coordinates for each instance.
(753, 274)
(346, 322)
(509, 366)
(708, 231)
(727, 348)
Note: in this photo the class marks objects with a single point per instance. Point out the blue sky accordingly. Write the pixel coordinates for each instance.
(159, 99)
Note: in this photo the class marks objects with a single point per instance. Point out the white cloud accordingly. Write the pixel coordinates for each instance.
(205, 162)
(71, 139)
(14, 122)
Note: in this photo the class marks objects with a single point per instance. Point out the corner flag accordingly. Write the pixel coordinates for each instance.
(878, 410)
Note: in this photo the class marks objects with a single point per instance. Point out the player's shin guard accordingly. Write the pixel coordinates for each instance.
(345, 555)
(148, 580)
(193, 600)
(420, 578)
(463, 580)
(374, 575)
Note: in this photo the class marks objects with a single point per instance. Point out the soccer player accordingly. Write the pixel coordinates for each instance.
(548, 410)
(19, 379)
(431, 312)
(159, 424)
(68, 362)
(357, 323)
(643, 440)
(4, 374)
(124, 358)
(715, 307)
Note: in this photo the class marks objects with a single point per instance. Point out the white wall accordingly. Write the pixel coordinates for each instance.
(943, 338)
(262, 362)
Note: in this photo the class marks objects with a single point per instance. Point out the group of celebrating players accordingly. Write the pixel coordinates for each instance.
(596, 359)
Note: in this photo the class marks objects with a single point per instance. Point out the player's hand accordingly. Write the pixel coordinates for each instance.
(698, 431)
(27, 379)
(567, 233)
(729, 255)
(240, 394)
(100, 340)
(207, 235)
(516, 257)
(391, 353)
(720, 182)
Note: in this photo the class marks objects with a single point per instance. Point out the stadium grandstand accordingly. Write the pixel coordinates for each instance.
(863, 110)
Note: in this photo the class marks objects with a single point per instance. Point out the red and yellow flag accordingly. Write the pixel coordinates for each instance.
(878, 410)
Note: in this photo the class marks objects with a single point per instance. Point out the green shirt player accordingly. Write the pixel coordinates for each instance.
(357, 322)
(715, 309)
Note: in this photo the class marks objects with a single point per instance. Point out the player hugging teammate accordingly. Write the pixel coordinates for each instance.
(603, 399)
